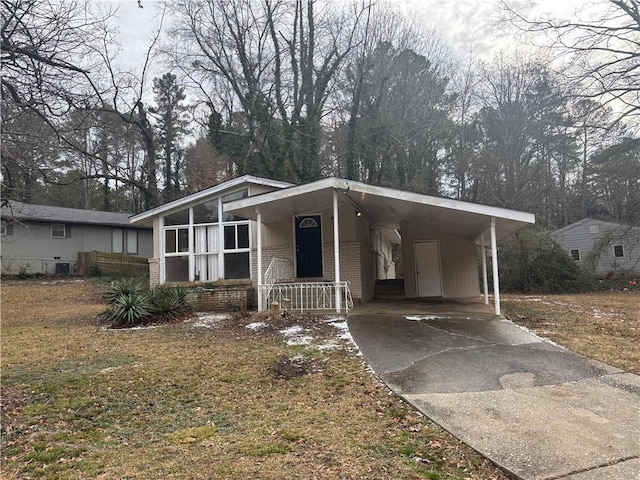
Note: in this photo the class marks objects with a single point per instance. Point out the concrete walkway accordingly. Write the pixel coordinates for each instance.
(537, 410)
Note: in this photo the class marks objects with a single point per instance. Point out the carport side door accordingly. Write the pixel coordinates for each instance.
(427, 260)
(308, 246)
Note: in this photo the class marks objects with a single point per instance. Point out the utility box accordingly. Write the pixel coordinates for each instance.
(63, 269)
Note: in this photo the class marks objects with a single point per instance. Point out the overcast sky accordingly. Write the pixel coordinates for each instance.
(464, 24)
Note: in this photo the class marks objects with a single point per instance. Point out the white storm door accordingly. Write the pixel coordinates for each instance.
(427, 257)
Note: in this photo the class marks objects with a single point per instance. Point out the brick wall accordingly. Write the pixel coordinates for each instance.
(154, 272)
(226, 295)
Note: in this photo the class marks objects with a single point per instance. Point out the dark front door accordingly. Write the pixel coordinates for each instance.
(308, 246)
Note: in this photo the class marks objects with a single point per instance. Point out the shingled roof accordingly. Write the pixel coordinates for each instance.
(43, 213)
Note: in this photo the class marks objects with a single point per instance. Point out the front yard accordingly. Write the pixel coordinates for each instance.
(213, 397)
(238, 396)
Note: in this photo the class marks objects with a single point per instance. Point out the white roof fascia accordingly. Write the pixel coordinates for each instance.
(498, 212)
(349, 185)
(194, 197)
(281, 194)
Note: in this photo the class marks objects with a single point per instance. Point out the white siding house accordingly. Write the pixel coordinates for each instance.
(323, 244)
(611, 247)
(44, 239)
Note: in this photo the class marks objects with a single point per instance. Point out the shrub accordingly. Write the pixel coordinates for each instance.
(129, 309)
(131, 304)
(170, 304)
(124, 286)
(532, 261)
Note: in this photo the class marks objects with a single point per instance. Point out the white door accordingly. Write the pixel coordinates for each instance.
(427, 255)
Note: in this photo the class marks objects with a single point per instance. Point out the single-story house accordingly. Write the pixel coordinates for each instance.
(44, 239)
(607, 246)
(323, 244)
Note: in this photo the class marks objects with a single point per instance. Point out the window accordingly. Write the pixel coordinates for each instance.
(117, 240)
(58, 230)
(201, 245)
(121, 238)
(618, 251)
(176, 240)
(132, 242)
(227, 217)
(594, 229)
(236, 247)
(3, 228)
(575, 254)
(206, 253)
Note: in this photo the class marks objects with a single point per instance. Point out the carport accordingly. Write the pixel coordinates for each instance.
(439, 236)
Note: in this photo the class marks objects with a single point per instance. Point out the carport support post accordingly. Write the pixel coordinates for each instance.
(336, 248)
(485, 283)
(259, 249)
(494, 264)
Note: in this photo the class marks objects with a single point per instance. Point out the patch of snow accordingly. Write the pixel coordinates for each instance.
(209, 320)
(328, 345)
(300, 340)
(256, 326)
(291, 331)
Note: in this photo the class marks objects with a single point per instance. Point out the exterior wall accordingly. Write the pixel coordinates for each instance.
(458, 260)
(31, 246)
(584, 235)
(226, 295)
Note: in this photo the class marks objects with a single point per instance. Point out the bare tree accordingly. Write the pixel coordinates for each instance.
(268, 67)
(600, 50)
(58, 58)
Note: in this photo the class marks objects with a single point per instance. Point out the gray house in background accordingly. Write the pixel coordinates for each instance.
(43, 239)
(618, 245)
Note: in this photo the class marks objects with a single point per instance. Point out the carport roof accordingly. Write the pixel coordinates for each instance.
(386, 207)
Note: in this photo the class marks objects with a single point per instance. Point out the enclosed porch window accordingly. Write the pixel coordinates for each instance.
(202, 244)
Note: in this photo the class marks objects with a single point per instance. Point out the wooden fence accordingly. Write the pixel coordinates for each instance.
(96, 263)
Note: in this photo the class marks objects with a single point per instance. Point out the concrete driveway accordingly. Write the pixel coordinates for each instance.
(537, 410)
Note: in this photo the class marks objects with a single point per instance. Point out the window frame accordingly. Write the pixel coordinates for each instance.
(191, 253)
(577, 250)
(64, 230)
(615, 253)
(3, 228)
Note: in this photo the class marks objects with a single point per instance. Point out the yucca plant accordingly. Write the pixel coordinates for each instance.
(129, 309)
(171, 304)
(123, 286)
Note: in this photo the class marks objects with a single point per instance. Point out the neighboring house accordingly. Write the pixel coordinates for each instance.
(617, 246)
(322, 244)
(43, 239)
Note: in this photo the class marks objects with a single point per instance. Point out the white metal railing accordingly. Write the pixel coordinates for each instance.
(275, 271)
(306, 296)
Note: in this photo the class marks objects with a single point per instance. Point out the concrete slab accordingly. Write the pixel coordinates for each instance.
(628, 469)
(534, 408)
(544, 432)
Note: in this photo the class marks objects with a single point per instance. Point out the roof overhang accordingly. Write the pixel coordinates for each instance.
(146, 217)
(387, 207)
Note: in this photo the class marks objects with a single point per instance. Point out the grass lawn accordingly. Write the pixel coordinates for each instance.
(207, 398)
(604, 325)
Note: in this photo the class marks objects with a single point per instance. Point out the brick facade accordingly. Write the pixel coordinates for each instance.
(226, 295)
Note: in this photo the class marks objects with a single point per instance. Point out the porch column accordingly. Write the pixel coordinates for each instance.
(485, 283)
(336, 248)
(259, 249)
(494, 264)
